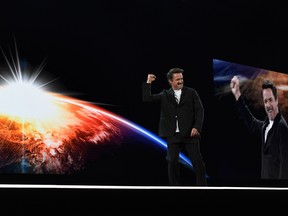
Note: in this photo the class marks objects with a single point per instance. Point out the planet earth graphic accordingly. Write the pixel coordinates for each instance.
(50, 133)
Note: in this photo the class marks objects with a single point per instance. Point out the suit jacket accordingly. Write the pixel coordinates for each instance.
(275, 149)
(189, 111)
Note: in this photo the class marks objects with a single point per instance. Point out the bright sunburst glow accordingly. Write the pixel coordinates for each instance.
(25, 101)
(46, 132)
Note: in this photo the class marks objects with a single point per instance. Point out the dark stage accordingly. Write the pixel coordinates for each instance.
(102, 51)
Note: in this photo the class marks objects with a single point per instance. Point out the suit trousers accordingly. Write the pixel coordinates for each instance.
(175, 145)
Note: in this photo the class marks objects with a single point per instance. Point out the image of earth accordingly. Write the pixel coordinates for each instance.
(50, 133)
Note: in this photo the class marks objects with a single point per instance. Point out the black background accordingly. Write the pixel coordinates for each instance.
(102, 51)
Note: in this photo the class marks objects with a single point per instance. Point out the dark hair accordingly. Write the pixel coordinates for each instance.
(269, 84)
(173, 71)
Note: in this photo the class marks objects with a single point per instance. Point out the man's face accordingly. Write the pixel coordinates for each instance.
(177, 81)
(271, 105)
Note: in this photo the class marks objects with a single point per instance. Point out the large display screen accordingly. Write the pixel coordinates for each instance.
(240, 160)
(45, 132)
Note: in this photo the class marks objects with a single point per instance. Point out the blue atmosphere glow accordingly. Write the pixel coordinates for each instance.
(183, 159)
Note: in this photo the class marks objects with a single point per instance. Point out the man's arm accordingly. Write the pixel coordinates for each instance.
(146, 89)
(199, 115)
(253, 124)
(235, 87)
(283, 130)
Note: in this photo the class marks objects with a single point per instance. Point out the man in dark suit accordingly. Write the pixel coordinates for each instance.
(273, 130)
(181, 120)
